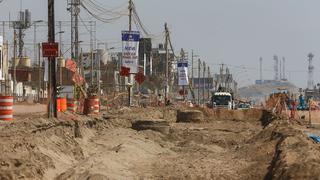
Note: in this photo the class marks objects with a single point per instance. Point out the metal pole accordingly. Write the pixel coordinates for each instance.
(204, 82)
(130, 15)
(39, 71)
(14, 63)
(35, 42)
(98, 74)
(60, 39)
(20, 44)
(91, 53)
(52, 63)
(131, 76)
(192, 68)
(209, 83)
(4, 30)
(167, 64)
(72, 27)
(76, 31)
(91, 57)
(199, 69)
(60, 52)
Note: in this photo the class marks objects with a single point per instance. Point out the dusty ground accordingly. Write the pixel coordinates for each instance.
(227, 145)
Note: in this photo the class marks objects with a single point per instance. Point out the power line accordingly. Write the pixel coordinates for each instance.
(98, 12)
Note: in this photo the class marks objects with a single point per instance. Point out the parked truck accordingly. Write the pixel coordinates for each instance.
(222, 100)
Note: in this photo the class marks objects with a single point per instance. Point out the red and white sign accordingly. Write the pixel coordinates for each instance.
(50, 49)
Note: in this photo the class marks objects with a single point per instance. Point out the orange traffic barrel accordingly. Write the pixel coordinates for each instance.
(59, 104)
(63, 104)
(6, 108)
(72, 105)
(92, 105)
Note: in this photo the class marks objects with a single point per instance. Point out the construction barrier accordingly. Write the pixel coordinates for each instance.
(58, 105)
(6, 108)
(92, 105)
(72, 105)
(61, 104)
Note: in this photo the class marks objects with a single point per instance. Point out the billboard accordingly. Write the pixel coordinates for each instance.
(130, 50)
(206, 83)
(183, 73)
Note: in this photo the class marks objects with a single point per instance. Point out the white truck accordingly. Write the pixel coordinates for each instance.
(222, 100)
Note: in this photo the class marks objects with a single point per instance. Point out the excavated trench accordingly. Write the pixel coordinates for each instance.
(140, 144)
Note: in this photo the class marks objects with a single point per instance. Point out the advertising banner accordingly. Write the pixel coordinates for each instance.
(183, 73)
(130, 50)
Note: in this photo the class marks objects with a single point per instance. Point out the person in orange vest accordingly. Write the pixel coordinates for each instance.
(293, 109)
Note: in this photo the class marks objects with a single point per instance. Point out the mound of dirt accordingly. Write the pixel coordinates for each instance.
(250, 144)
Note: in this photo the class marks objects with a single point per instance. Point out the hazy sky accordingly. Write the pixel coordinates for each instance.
(235, 32)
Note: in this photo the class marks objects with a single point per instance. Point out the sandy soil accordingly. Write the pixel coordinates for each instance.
(20, 109)
(249, 144)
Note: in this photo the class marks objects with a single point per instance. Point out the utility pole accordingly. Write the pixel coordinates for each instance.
(14, 62)
(130, 7)
(209, 76)
(52, 109)
(91, 53)
(91, 57)
(199, 69)
(130, 15)
(72, 27)
(167, 63)
(60, 52)
(76, 30)
(204, 82)
(60, 39)
(35, 42)
(4, 29)
(192, 68)
(40, 67)
(98, 74)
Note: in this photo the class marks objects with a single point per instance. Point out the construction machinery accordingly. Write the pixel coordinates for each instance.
(278, 101)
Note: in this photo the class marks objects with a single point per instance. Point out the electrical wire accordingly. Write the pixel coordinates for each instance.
(100, 13)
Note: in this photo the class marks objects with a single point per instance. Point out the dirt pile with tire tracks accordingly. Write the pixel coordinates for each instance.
(148, 143)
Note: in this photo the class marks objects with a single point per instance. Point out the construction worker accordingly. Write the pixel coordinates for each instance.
(293, 109)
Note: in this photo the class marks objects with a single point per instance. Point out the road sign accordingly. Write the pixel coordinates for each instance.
(140, 77)
(50, 49)
(125, 71)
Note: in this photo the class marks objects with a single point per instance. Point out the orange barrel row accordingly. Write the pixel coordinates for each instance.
(6, 108)
(61, 104)
(72, 105)
(91, 105)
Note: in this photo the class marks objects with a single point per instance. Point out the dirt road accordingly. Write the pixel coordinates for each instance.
(228, 145)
